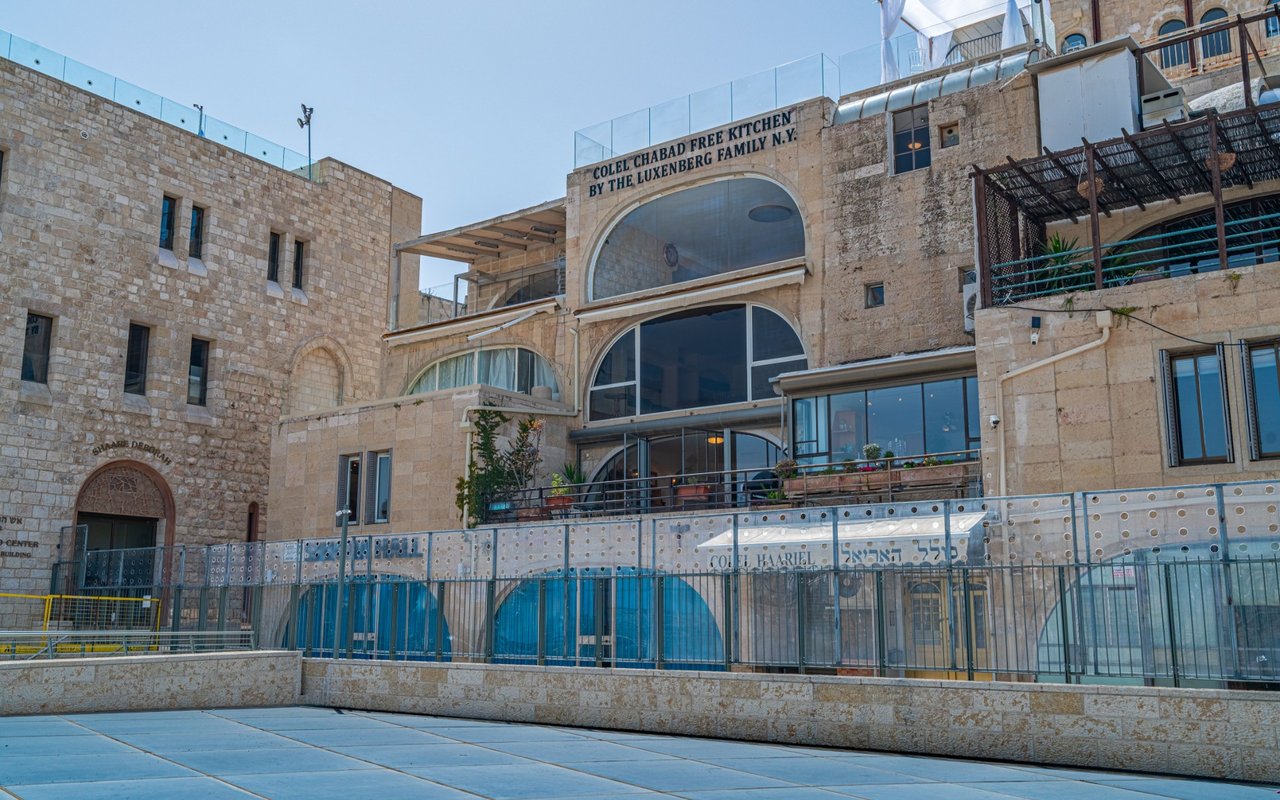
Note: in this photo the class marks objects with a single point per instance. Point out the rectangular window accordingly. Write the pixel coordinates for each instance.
(1196, 408)
(273, 258)
(298, 256)
(1262, 394)
(874, 295)
(198, 372)
(35, 348)
(135, 359)
(196, 249)
(349, 487)
(378, 491)
(911, 139)
(168, 213)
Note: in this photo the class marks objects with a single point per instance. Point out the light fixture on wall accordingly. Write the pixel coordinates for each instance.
(771, 212)
(715, 438)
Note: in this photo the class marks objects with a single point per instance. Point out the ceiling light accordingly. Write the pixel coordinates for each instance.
(715, 438)
(770, 213)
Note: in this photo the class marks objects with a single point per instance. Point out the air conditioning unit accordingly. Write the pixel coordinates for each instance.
(970, 296)
(1169, 105)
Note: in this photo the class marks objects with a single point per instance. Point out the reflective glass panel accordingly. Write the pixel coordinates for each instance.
(848, 425)
(773, 336)
(944, 417)
(619, 364)
(1266, 399)
(895, 419)
(694, 358)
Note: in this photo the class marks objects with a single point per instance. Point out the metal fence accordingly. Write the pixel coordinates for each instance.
(25, 645)
(1174, 622)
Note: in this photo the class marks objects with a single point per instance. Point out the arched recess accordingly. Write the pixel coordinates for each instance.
(319, 376)
(388, 613)
(1177, 244)
(125, 489)
(717, 226)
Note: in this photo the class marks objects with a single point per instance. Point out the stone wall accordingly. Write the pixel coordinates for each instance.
(80, 207)
(1208, 733)
(150, 683)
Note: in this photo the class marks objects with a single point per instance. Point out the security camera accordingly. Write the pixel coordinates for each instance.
(994, 420)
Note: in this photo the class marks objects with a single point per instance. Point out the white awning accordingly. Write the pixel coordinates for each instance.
(897, 530)
(935, 17)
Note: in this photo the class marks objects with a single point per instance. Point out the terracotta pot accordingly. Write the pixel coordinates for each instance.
(559, 501)
(928, 476)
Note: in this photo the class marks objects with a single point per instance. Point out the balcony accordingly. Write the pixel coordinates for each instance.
(885, 480)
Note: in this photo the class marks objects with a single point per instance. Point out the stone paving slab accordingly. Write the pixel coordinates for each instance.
(307, 753)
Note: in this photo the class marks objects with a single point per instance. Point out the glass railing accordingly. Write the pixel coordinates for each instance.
(182, 115)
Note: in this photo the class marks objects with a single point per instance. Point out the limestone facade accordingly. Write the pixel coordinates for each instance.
(81, 198)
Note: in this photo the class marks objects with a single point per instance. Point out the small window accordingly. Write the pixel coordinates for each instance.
(1273, 21)
(135, 359)
(875, 295)
(911, 139)
(1174, 55)
(349, 487)
(1217, 43)
(949, 135)
(198, 373)
(1196, 409)
(35, 348)
(168, 213)
(273, 258)
(379, 493)
(298, 258)
(1075, 41)
(196, 249)
(1262, 387)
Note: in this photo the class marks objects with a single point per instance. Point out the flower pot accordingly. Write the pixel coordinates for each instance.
(877, 481)
(693, 490)
(532, 514)
(559, 501)
(943, 474)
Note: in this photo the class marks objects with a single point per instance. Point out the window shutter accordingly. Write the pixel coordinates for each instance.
(339, 491)
(1250, 400)
(1170, 409)
(1226, 401)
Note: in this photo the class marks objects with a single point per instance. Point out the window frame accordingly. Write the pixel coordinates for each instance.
(375, 488)
(141, 353)
(1172, 414)
(42, 376)
(299, 262)
(869, 298)
(1272, 26)
(1068, 43)
(1178, 54)
(168, 221)
(1217, 43)
(274, 242)
(195, 238)
(918, 132)
(349, 488)
(202, 398)
(1249, 383)
(473, 370)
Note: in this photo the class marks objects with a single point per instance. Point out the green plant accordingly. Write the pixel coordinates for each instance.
(871, 451)
(776, 494)
(849, 466)
(494, 475)
(889, 455)
(572, 474)
(1061, 269)
(929, 461)
(911, 464)
(1233, 280)
(786, 468)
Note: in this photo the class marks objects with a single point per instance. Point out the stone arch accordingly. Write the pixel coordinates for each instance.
(128, 488)
(319, 376)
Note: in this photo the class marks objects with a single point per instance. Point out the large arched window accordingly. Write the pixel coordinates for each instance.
(512, 368)
(696, 233)
(1217, 43)
(690, 359)
(1075, 41)
(1188, 244)
(1173, 55)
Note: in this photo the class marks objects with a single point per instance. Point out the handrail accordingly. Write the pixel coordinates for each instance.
(28, 645)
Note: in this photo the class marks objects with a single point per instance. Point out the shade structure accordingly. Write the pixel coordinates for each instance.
(935, 17)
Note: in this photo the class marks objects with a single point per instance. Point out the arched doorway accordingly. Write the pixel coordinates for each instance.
(124, 510)
(383, 615)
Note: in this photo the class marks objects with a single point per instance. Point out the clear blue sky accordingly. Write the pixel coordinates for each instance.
(471, 104)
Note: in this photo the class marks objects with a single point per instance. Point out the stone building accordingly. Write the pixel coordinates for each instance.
(164, 299)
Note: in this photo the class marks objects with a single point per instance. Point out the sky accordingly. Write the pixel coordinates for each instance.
(471, 105)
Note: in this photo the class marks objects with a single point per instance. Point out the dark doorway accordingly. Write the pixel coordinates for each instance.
(106, 550)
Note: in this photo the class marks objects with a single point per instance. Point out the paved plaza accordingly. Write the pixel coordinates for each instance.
(306, 752)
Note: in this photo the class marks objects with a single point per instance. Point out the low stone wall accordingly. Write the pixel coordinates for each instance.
(1201, 732)
(148, 683)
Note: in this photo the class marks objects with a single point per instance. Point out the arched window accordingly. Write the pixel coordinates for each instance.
(1273, 22)
(1174, 55)
(1075, 41)
(1217, 43)
(512, 368)
(690, 359)
(696, 233)
(1188, 244)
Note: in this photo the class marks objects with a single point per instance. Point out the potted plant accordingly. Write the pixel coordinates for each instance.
(874, 473)
(565, 485)
(932, 472)
(692, 487)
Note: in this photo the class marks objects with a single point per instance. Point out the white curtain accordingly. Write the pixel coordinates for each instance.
(1013, 33)
(934, 49)
(890, 16)
(498, 368)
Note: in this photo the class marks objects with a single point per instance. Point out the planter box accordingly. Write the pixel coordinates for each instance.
(532, 514)
(559, 501)
(840, 483)
(693, 490)
(943, 474)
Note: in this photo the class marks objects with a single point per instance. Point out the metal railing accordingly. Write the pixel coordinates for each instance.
(1177, 623)
(979, 47)
(955, 474)
(21, 645)
(1248, 242)
(183, 115)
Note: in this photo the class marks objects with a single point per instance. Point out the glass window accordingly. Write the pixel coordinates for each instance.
(874, 295)
(168, 211)
(198, 373)
(944, 417)
(135, 359)
(1265, 401)
(1075, 41)
(1217, 43)
(511, 368)
(35, 348)
(1197, 408)
(1273, 22)
(273, 258)
(894, 419)
(697, 233)
(349, 487)
(298, 257)
(380, 490)
(848, 425)
(911, 139)
(1174, 55)
(196, 243)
